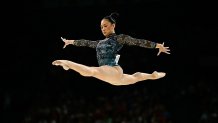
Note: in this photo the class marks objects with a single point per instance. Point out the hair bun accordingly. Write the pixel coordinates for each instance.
(114, 15)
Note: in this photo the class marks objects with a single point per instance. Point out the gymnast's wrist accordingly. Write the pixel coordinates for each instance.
(71, 41)
(157, 45)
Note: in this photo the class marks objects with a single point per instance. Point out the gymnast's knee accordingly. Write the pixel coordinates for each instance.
(88, 73)
(137, 74)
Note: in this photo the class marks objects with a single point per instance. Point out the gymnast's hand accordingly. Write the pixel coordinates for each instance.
(162, 48)
(66, 42)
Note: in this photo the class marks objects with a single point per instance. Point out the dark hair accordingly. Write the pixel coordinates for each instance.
(112, 17)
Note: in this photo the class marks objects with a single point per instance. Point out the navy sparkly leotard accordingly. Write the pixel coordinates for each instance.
(108, 48)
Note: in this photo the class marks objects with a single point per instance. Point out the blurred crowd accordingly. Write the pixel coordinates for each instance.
(126, 107)
(150, 102)
(195, 102)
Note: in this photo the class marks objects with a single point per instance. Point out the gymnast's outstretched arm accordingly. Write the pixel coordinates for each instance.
(81, 42)
(128, 40)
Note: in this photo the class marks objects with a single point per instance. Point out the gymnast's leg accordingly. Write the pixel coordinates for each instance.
(138, 76)
(114, 75)
(105, 73)
(82, 69)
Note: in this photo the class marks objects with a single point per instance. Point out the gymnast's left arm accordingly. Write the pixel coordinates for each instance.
(128, 40)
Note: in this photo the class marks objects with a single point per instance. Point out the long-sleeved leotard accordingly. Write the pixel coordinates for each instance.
(108, 48)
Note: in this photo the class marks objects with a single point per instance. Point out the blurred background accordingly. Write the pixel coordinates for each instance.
(34, 91)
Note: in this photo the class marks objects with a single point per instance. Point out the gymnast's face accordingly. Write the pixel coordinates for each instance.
(107, 27)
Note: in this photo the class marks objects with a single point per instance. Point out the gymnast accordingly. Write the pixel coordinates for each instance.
(107, 51)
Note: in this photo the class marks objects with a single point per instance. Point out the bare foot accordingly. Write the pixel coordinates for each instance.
(158, 75)
(60, 63)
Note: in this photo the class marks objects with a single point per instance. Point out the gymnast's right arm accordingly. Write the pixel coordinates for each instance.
(81, 42)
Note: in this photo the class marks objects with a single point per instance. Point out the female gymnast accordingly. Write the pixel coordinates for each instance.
(107, 55)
